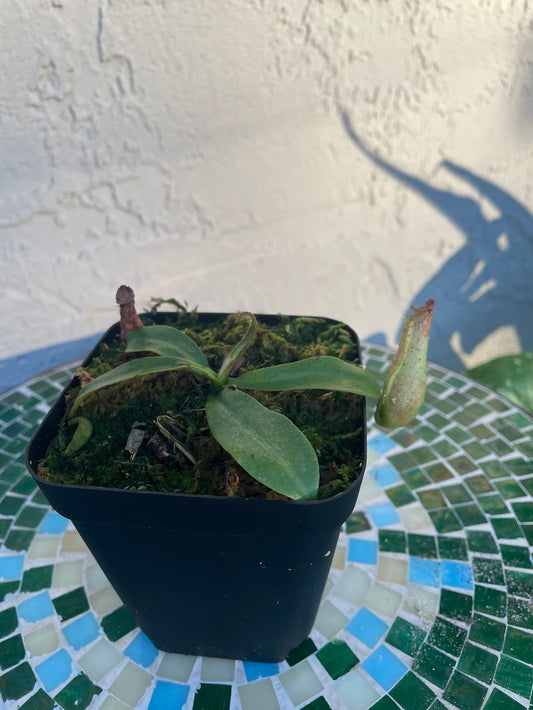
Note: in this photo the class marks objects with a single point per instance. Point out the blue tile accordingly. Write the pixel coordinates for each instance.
(424, 571)
(367, 627)
(55, 670)
(168, 695)
(142, 650)
(11, 567)
(383, 514)
(255, 670)
(82, 631)
(35, 608)
(365, 551)
(53, 524)
(385, 475)
(457, 574)
(384, 667)
(381, 443)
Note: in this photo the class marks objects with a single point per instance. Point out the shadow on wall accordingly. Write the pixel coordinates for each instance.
(487, 283)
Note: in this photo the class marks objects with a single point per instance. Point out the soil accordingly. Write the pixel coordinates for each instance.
(198, 465)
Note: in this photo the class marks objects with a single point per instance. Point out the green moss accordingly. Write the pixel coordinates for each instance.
(330, 420)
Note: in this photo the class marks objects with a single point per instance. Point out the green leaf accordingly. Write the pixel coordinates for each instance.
(164, 340)
(323, 372)
(266, 444)
(135, 368)
(511, 376)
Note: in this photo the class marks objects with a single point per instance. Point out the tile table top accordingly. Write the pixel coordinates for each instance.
(429, 602)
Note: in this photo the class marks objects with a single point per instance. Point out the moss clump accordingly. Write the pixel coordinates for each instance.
(196, 464)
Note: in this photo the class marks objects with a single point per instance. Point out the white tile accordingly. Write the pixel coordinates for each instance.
(100, 659)
(105, 601)
(131, 684)
(96, 580)
(43, 547)
(420, 602)
(414, 517)
(301, 683)
(218, 670)
(42, 640)
(383, 600)
(329, 620)
(176, 666)
(258, 696)
(355, 691)
(72, 542)
(352, 585)
(68, 574)
(392, 569)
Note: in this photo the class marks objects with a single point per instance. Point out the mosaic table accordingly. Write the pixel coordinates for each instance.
(428, 603)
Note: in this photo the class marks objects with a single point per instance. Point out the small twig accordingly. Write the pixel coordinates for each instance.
(129, 320)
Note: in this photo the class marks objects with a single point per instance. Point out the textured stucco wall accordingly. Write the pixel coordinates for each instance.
(228, 154)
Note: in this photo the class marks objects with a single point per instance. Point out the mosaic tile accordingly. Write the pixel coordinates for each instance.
(428, 604)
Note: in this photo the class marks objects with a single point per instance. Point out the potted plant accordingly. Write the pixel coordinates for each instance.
(216, 518)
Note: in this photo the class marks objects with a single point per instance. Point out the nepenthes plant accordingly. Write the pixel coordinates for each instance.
(266, 443)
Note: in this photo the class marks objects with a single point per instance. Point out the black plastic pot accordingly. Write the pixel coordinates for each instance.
(229, 577)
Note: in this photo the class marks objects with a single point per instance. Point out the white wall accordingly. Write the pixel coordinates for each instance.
(197, 150)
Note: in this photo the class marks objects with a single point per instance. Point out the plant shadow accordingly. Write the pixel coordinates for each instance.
(487, 283)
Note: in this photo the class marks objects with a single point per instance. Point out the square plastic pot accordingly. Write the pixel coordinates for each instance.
(237, 578)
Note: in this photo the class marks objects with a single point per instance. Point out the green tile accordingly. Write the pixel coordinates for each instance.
(4, 527)
(421, 545)
(478, 485)
(458, 434)
(357, 522)
(8, 621)
(528, 532)
(437, 387)
(415, 479)
(39, 701)
(469, 514)
(523, 511)
(434, 666)
(431, 499)
(71, 604)
(519, 583)
(10, 505)
(438, 421)
(38, 498)
(476, 450)
(519, 466)
(527, 483)
(392, 541)
(400, 495)
(317, 704)
(426, 433)
(481, 541)
(478, 662)
(402, 462)
(438, 472)
(422, 454)
(445, 448)
(510, 489)
(494, 469)
(12, 651)
(499, 447)
(411, 693)
(305, 649)
(456, 493)
(118, 623)
(514, 676)
(406, 636)
(26, 486)
(452, 548)
(385, 703)
(493, 504)
(488, 571)
(515, 556)
(490, 601)
(455, 605)
(37, 578)
(462, 465)
(17, 682)
(337, 658)
(487, 632)
(501, 701)
(211, 696)
(465, 693)
(455, 382)
(78, 694)
(506, 528)
(445, 520)
(480, 431)
(19, 540)
(447, 637)
(30, 516)
(519, 644)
